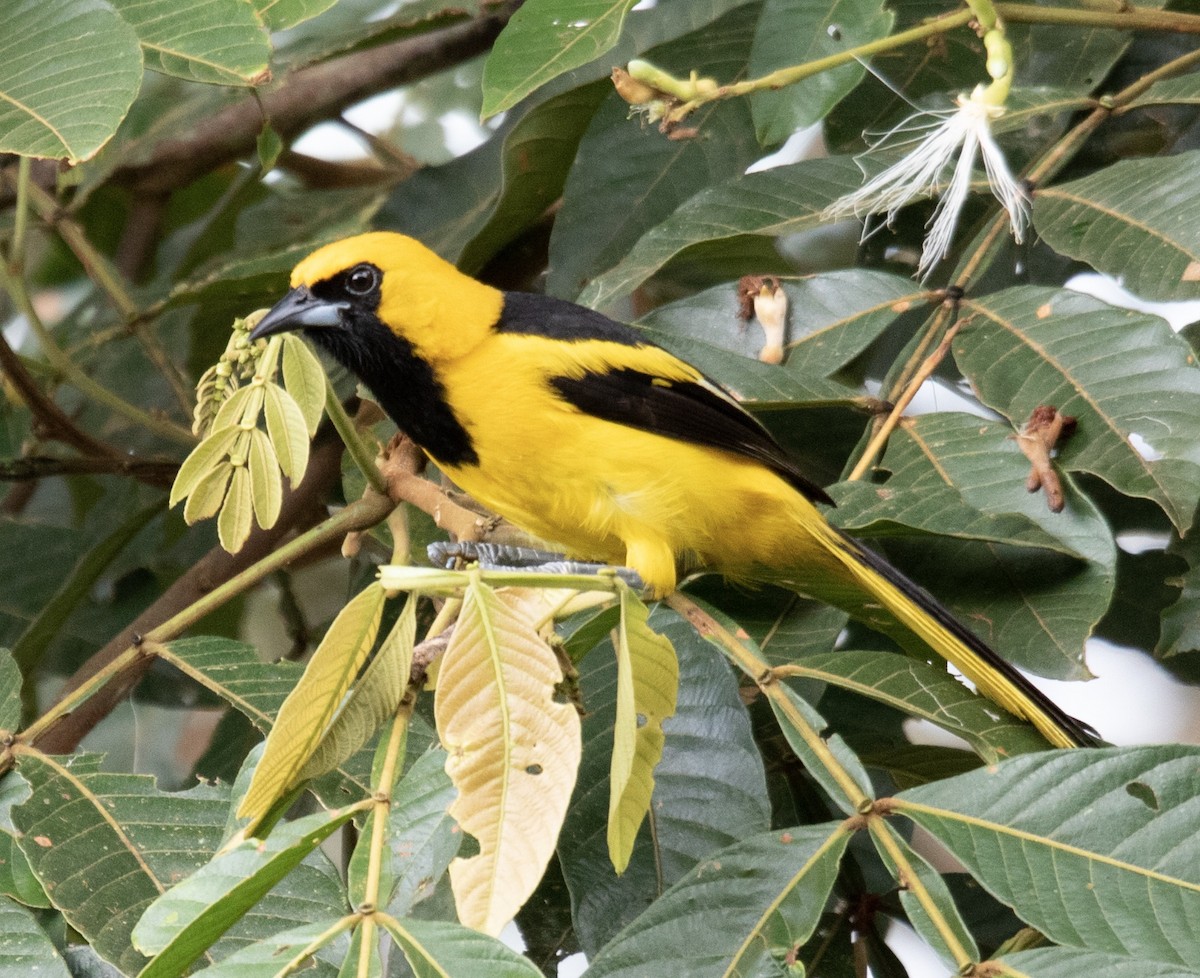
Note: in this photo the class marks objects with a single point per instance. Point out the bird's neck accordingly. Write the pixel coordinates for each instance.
(405, 385)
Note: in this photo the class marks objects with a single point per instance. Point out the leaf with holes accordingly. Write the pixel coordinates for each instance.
(513, 753)
(1094, 848)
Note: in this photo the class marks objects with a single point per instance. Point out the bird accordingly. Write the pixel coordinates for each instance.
(606, 446)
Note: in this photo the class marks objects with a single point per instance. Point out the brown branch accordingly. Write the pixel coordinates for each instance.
(307, 96)
(54, 423)
(154, 472)
(302, 507)
(403, 463)
(140, 235)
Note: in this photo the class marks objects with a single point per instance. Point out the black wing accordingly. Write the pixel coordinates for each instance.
(683, 409)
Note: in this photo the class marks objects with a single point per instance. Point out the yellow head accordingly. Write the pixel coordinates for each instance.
(420, 297)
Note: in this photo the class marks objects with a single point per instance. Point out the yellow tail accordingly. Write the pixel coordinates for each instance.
(926, 624)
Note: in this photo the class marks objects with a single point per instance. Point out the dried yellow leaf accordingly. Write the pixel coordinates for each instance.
(513, 753)
(305, 714)
(647, 684)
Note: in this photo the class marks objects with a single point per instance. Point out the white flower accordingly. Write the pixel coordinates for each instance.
(967, 131)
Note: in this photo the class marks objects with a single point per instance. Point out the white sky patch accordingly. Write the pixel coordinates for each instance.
(376, 113)
(329, 141)
(1144, 448)
(463, 132)
(644, 5)
(801, 145)
(1108, 289)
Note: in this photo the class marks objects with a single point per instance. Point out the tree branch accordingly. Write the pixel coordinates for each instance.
(307, 96)
(213, 569)
(53, 421)
(154, 472)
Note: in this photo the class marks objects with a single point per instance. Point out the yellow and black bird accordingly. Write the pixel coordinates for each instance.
(582, 433)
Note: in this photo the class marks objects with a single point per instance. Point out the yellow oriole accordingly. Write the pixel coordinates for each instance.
(585, 435)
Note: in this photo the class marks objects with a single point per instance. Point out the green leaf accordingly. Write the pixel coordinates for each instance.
(422, 838)
(27, 949)
(205, 500)
(182, 923)
(216, 41)
(740, 912)
(287, 428)
(202, 460)
(1129, 380)
(10, 692)
(237, 513)
(1182, 90)
(767, 203)
(376, 695)
(1050, 575)
(304, 380)
(647, 687)
(270, 146)
(628, 177)
(934, 884)
(1138, 220)
(279, 15)
(29, 649)
(1091, 847)
(709, 788)
(106, 845)
(1067, 962)
(266, 484)
(925, 691)
(1181, 621)
(69, 70)
(437, 949)
(792, 32)
(256, 689)
(16, 877)
(543, 39)
(833, 317)
(265, 957)
(464, 212)
(234, 671)
(797, 719)
(306, 713)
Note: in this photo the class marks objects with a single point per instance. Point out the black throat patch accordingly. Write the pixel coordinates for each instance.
(403, 383)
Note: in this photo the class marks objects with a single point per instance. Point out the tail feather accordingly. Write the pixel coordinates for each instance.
(922, 615)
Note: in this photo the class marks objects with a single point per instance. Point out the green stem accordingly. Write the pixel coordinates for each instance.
(359, 514)
(795, 73)
(1129, 19)
(101, 271)
(908, 878)
(71, 372)
(21, 217)
(363, 457)
(432, 580)
(984, 12)
(761, 672)
(1133, 19)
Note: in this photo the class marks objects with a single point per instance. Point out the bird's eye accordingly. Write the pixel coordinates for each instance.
(362, 279)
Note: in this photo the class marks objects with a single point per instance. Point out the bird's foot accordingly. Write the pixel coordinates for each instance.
(503, 557)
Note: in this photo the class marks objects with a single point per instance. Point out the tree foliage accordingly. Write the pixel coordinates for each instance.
(717, 784)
